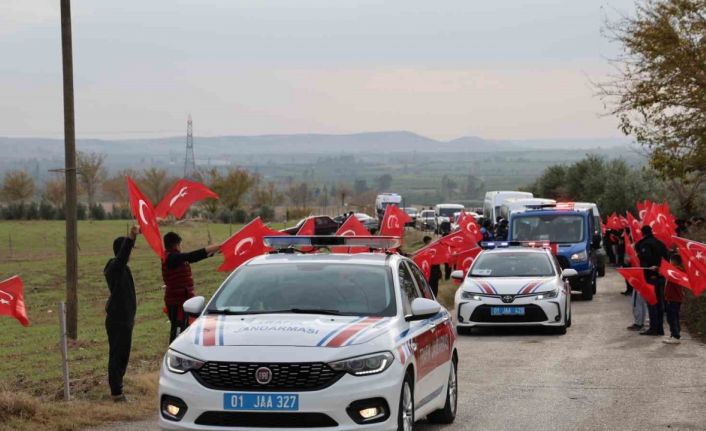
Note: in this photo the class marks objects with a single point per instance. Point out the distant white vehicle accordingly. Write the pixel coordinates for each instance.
(494, 200)
(445, 212)
(383, 200)
(457, 215)
(519, 204)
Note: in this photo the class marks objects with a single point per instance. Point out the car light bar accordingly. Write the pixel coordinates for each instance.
(325, 241)
(489, 245)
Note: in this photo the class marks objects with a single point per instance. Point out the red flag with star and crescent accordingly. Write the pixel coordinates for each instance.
(351, 227)
(181, 196)
(143, 212)
(12, 301)
(467, 222)
(630, 251)
(245, 244)
(674, 274)
(693, 256)
(393, 221)
(423, 260)
(636, 278)
(465, 259)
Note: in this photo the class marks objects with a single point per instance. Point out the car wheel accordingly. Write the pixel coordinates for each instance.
(405, 414)
(587, 290)
(569, 314)
(464, 330)
(447, 414)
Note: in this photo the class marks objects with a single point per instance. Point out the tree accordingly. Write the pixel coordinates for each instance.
(266, 195)
(360, 186)
(17, 187)
(383, 182)
(89, 167)
(155, 184)
(233, 187)
(659, 92)
(55, 191)
(299, 195)
(115, 187)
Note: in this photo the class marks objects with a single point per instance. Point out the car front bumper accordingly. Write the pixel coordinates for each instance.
(546, 312)
(331, 401)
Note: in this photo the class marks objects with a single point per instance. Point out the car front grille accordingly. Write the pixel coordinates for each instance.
(240, 376)
(533, 313)
(266, 420)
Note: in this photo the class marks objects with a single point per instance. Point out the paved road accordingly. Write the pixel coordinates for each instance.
(598, 376)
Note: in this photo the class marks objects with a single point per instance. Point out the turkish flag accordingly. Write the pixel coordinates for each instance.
(11, 300)
(614, 223)
(659, 217)
(308, 228)
(630, 251)
(423, 259)
(674, 274)
(144, 213)
(636, 278)
(351, 227)
(181, 196)
(467, 222)
(465, 259)
(635, 226)
(695, 249)
(643, 208)
(393, 221)
(692, 258)
(459, 240)
(245, 244)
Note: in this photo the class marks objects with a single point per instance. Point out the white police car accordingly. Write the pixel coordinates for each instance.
(314, 340)
(512, 284)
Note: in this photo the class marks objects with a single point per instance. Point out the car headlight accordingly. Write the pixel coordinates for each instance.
(364, 365)
(180, 364)
(579, 257)
(547, 295)
(471, 296)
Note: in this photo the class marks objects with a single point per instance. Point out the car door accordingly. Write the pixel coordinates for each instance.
(441, 336)
(419, 333)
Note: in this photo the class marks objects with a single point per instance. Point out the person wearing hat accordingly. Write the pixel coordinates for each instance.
(179, 283)
(120, 312)
(651, 252)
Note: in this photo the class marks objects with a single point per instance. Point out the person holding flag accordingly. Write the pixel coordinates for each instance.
(435, 271)
(120, 312)
(179, 282)
(673, 297)
(650, 251)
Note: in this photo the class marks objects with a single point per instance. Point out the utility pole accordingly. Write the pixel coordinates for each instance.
(189, 161)
(70, 172)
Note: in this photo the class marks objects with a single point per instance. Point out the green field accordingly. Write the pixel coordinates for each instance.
(30, 359)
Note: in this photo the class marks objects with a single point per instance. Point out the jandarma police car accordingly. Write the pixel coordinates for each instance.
(514, 284)
(291, 340)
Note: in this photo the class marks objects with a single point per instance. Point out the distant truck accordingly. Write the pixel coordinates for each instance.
(571, 232)
(383, 200)
(494, 200)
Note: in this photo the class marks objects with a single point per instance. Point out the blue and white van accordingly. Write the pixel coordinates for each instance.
(573, 234)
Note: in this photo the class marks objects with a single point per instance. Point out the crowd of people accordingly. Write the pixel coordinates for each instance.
(648, 319)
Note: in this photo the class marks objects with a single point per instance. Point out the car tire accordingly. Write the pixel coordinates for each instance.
(568, 313)
(405, 412)
(587, 290)
(447, 414)
(464, 330)
(560, 330)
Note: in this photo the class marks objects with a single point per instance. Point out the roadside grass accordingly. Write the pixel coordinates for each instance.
(30, 359)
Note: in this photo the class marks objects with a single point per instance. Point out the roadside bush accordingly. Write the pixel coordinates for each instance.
(265, 213)
(46, 211)
(98, 212)
(81, 211)
(32, 212)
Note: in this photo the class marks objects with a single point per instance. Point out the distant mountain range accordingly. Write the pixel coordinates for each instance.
(373, 142)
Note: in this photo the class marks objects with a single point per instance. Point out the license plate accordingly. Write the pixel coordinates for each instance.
(507, 311)
(261, 402)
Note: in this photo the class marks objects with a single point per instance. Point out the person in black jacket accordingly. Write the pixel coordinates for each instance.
(120, 312)
(651, 251)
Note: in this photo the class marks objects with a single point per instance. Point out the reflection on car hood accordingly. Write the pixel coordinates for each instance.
(285, 330)
(509, 285)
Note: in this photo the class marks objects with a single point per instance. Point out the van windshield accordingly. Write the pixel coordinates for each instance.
(448, 212)
(559, 228)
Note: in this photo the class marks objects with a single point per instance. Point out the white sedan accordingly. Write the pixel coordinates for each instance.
(313, 340)
(514, 286)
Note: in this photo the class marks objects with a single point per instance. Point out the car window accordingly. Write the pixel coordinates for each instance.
(512, 264)
(356, 290)
(408, 290)
(421, 281)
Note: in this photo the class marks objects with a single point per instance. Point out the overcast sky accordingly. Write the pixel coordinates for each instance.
(517, 69)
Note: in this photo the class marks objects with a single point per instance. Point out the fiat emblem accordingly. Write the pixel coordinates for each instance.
(263, 375)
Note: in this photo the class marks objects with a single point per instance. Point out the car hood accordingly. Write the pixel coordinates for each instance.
(297, 330)
(509, 285)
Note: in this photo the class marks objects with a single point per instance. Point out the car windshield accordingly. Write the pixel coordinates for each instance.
(512, 264)
(559, 228)
(447, 212)
(315, 287)
(427, 214)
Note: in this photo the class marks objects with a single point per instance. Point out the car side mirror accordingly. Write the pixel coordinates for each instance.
(194, 305)
(596, 242)
(568, 273)
(423, 308)
(457, 276)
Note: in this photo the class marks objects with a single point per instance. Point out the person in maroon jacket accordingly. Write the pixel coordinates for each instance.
(176, 273)
(673, 297)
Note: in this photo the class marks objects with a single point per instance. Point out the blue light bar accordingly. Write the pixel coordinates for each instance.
(326, 241)
(489, 245)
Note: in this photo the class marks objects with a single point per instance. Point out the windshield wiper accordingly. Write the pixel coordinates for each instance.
(228, 312)
(309, 311)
